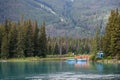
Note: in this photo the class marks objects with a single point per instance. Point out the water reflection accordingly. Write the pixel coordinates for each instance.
(95, 67)
(71, 62)
(99, 67)
(79, 64)
(82, 64)
(54, 70)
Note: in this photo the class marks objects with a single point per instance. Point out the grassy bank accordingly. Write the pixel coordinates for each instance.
(108, 61)
(48, 58)
(54, 58)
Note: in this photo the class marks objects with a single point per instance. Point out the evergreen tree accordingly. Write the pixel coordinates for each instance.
(42, 42)
(94, 46)
(12, 40)
(21, 40)
(112, 34)
(1, 35)
(98, 39)
(5, 41)
(29, 44)
(56, 50)
(35, 38)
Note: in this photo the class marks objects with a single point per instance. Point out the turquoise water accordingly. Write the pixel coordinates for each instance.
(59, 70)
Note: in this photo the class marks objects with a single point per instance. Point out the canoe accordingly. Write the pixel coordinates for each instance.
(76, 60)
(82, 60)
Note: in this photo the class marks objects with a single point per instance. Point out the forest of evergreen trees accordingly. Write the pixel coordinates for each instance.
(22, 39)
(111, 39)
(109, 42)
(26, 39)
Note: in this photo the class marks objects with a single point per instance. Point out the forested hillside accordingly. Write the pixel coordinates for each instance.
(26, 39)
(74, 18)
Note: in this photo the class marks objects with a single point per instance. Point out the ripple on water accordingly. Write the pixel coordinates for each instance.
(74, 76)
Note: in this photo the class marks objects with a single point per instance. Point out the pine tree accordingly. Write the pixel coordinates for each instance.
(21, 40)
(112, 34)
(12, 40)
(5, 41)
(98, 40)
(29, 44)
(56, 50)
(42, 42)
(95, 42)
(35, 38)
(115, 36)
(94, 46)
(1, 35)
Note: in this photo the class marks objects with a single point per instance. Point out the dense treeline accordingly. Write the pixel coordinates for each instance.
(65, 45)
(111, 43)
(26, 39)
(22, 39)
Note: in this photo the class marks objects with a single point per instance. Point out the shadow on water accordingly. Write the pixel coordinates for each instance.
(59, 70)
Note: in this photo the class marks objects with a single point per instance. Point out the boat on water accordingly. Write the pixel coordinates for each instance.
(77, 60)
(82, 60)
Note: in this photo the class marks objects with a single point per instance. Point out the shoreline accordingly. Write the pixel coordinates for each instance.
(30, 59)
(109, 61)
(34, 59)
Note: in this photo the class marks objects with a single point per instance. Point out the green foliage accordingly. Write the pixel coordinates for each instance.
(5, 41)
(109, 57)
(118, 56)
(1, 36)
(109, 43)
(25, 39)
(21, 39)
(42, 41)
(29, 44)
(5, 48)
(61, 46)
(93, 57)
(35, 38)
(12, 40)
(69, 54)
(96, 42)
(112, 34)
(56, 51)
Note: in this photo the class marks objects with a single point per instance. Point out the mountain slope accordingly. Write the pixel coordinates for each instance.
(76, 18)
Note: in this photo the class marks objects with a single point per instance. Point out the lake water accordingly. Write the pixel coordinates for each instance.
(59, 70)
